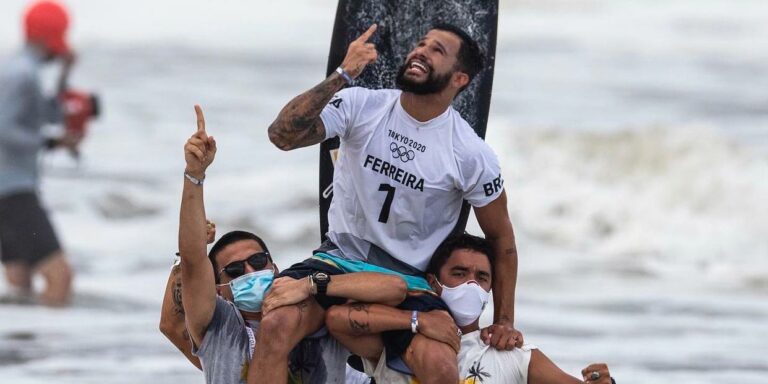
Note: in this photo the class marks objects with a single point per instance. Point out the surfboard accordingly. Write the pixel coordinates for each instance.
(401, 23)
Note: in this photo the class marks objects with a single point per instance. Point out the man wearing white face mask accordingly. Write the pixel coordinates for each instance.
(460, 272)
(224, 291)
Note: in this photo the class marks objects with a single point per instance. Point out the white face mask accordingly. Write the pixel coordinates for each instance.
(466, 301)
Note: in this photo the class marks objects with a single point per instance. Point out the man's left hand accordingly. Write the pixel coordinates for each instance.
(285, 291)
(502, 336)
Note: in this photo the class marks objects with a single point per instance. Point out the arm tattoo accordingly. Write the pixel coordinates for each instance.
(178, 307)
(359, 327)
(299, 124)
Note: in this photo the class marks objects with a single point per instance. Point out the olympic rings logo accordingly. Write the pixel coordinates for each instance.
(401, 152)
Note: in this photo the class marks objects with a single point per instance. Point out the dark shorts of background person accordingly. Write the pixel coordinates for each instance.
(26, 234)
(310, 266)
(396, 342)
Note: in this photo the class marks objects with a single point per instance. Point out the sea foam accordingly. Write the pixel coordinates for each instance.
(664, 200)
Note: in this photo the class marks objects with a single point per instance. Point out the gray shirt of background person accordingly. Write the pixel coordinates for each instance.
(225, 351)
(23, 111)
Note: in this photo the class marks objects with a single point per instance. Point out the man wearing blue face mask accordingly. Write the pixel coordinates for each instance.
(224, 291)
(461, 273)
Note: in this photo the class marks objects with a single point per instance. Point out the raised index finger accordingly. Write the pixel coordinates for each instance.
(200, 118)
(367, 34)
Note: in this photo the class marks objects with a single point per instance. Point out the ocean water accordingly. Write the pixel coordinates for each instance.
(633, 137)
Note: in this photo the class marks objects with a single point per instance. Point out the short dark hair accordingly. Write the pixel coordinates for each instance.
(456, 242)
(470, 58)
(227, 239)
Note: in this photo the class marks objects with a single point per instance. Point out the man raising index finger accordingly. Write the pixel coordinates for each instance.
(360, 54)
(299, 124)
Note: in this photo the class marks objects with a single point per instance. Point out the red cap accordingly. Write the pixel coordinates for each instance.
(46, 22)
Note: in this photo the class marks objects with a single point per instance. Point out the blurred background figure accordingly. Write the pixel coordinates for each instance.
(28, 242)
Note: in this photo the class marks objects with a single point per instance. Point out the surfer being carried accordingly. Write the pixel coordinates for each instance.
(407, 161)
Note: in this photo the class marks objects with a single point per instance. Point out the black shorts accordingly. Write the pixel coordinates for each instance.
(26, 234)
(309, 267)
(396, 342)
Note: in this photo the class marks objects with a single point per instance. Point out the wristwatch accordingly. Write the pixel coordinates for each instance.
(321, 280)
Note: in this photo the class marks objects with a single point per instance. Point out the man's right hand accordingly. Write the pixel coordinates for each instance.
(200, 149)
(360, 53)
(439, 325)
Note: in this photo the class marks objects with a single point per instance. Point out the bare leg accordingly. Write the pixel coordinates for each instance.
(541, 370)
(19, 277)
(279, 332)
(431, 361)
(58, 280)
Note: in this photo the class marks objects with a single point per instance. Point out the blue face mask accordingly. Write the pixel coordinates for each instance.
(249, 290)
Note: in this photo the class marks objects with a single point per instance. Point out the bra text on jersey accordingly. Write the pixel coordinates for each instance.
(336, 102)
(397, 174)
(494, 186)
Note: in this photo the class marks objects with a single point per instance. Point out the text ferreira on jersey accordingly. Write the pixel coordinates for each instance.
(397, 174)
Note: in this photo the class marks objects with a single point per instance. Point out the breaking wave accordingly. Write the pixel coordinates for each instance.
(664, 200)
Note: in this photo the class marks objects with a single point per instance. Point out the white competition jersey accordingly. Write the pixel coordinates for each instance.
(478, 363)
(399, 183)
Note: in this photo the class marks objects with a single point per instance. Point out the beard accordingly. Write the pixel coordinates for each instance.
(435, 83)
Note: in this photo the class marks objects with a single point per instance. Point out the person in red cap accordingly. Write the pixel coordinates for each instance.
(28, 243)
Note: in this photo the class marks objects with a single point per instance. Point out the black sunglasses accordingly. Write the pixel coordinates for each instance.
(236, 269)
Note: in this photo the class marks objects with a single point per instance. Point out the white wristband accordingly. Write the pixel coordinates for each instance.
(345, 75)
(415, 322)
(194, 180)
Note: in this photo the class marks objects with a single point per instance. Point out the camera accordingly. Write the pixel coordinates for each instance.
(79, 108)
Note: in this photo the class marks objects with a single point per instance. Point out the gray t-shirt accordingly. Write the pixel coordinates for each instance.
(227, 347)
(225, 350)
